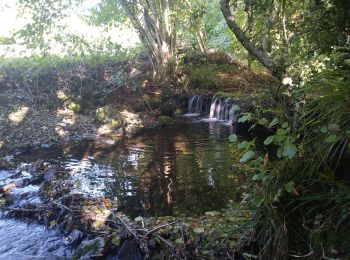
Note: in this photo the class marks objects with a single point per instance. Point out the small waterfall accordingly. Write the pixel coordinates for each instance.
(195, 105)
(221, 109)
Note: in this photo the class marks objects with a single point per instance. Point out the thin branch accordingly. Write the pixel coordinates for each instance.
(159, 227)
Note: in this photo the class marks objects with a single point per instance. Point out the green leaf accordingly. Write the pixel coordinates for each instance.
(250, 256)
(232, 138)
(116, 240)
(235, 108)
(139, 219)
(281, 131)
(279, 152)
(289, 187)
(52, 223)
(211, 213)
(263, 121)
(273, 122)
(268, 140)
(323, 130)
(285, 125)
(244, 144)
(246, 117)
(198, 230)
(258, 177)
(258, 161)
(179, 241)
(247, 156)
(279, 138)
(331, 139)
(333, 127)
(289, 150)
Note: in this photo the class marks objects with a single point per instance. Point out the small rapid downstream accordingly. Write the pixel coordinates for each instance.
(20, 240)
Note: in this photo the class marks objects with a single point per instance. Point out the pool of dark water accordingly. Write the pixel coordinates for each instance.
(186, 168)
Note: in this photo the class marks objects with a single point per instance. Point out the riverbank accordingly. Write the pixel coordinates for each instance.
(41, 106)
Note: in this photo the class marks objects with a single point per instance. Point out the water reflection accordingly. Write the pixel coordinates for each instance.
(180, 169)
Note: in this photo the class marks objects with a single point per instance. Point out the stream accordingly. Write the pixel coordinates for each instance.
(187, 168)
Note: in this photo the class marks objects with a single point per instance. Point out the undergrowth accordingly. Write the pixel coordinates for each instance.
(300, 186)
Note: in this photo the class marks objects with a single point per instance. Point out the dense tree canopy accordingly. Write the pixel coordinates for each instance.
(275, 71)
(278, 34)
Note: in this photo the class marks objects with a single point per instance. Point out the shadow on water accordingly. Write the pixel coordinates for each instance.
(186, 168)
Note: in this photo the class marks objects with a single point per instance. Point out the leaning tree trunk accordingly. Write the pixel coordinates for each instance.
(260, 55)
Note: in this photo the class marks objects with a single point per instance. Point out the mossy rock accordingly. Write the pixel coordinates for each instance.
(165, 120)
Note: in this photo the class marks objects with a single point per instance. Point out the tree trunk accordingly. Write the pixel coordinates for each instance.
(157, 32)
(198, 28)
(261, 56)
(250, 21)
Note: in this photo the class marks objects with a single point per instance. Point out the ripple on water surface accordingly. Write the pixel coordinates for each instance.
(186, 168)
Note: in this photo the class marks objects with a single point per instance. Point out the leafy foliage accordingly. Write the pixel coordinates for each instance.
(302, 179)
